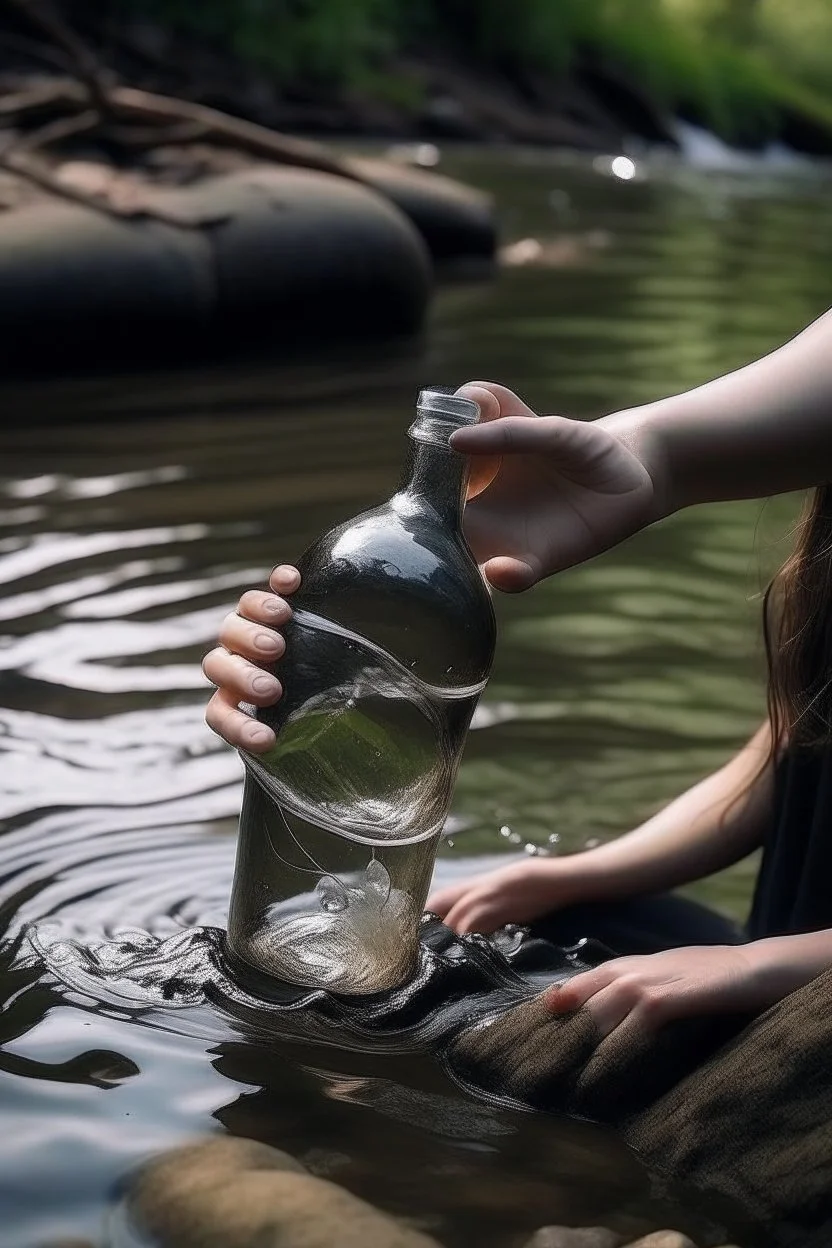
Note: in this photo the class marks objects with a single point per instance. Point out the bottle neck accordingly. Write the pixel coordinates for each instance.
(434, 474)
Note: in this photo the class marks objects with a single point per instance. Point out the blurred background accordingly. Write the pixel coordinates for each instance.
(212, 335)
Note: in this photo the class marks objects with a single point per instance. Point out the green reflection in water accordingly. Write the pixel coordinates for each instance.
(620, 683)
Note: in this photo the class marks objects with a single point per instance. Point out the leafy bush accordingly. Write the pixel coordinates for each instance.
(734, 63)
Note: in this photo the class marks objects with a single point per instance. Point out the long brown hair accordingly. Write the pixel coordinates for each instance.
(797, 623)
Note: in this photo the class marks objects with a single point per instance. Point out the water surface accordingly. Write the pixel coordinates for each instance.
(135, 509)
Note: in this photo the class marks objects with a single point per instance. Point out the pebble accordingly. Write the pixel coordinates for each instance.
(232, 1193)
(574, 1237)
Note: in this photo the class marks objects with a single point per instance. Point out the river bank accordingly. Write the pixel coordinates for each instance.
(588, 88)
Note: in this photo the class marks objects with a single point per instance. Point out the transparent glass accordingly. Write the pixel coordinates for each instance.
(389, 648)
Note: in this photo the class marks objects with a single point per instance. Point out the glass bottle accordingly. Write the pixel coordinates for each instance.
(389, 648)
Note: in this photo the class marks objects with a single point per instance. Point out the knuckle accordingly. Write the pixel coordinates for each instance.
(631, 987)
(653, 1003)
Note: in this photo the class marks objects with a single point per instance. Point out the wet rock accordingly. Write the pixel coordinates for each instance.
(68, 1243)
(232, 1193)
(574, 1237)
(663, 1239)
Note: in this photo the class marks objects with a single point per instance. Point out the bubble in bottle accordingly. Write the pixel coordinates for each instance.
(333, 895)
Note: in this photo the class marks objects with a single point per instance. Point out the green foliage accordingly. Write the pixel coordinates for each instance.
(327, 40)
(735, 63)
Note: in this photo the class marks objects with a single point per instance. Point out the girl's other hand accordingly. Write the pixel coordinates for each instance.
(520, 892)
(644, 993)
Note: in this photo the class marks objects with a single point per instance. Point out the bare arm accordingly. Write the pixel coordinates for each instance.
(764, 429)
(566, 490)
(641, 994)
(717, 822)
(714, 824)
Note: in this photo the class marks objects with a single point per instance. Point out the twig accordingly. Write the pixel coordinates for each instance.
(210, 124)
(36, 51)
(57, 130)
(60, 33)
(250, 137)
(48, 182)
(154, 136)
(40, 96)
(123, 211)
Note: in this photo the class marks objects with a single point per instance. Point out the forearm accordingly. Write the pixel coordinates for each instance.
(762, 430)
(782, 964)
(716, 823)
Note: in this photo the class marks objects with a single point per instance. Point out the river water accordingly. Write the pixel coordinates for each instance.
(135, 509)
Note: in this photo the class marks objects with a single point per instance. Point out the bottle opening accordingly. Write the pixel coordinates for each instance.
(440, 401)
(439, 412)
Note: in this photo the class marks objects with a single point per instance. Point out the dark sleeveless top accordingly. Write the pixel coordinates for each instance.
(794, 887)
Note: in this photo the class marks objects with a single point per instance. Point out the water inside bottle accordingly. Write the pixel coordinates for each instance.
(364, 746)
(349, 916)
(359, 779)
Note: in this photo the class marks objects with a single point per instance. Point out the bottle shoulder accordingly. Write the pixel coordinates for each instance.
(410, 584)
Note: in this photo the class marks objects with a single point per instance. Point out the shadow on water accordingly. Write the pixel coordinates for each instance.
(133, 512)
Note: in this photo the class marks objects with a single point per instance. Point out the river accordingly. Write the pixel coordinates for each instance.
(134, 509)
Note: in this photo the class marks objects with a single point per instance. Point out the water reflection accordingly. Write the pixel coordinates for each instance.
(138, 508)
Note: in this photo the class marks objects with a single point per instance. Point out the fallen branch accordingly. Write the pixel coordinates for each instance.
(132, 203)
(56, 131)
(248, 136)
(131, 104)
(59, 91)
(174, 135)
(86, 66)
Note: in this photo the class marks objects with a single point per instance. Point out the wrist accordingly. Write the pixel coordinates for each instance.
(782, 964)
(573, 879)
(641, 430)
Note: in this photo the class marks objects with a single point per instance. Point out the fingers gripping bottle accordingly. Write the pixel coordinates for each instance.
(389, 648)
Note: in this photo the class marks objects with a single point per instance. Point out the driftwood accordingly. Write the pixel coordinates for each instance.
(99, 102)
(91, 103)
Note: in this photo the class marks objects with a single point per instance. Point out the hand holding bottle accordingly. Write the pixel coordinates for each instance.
(249, 640)
(557, 491)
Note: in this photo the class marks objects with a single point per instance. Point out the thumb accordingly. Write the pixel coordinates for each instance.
(494, 400)
(507, 435)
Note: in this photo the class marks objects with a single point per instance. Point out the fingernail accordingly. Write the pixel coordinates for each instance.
(266, 641)
(265, 684)
(551, 998)
(276, 606)
(258, 735)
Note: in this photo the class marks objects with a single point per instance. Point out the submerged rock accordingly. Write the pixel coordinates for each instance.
(233, 1193)
(574, 1237)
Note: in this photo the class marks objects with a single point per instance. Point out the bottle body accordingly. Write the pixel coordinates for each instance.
(388, 651)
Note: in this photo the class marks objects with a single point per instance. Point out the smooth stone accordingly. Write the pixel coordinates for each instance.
(233, 1193)
(574, 1237)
